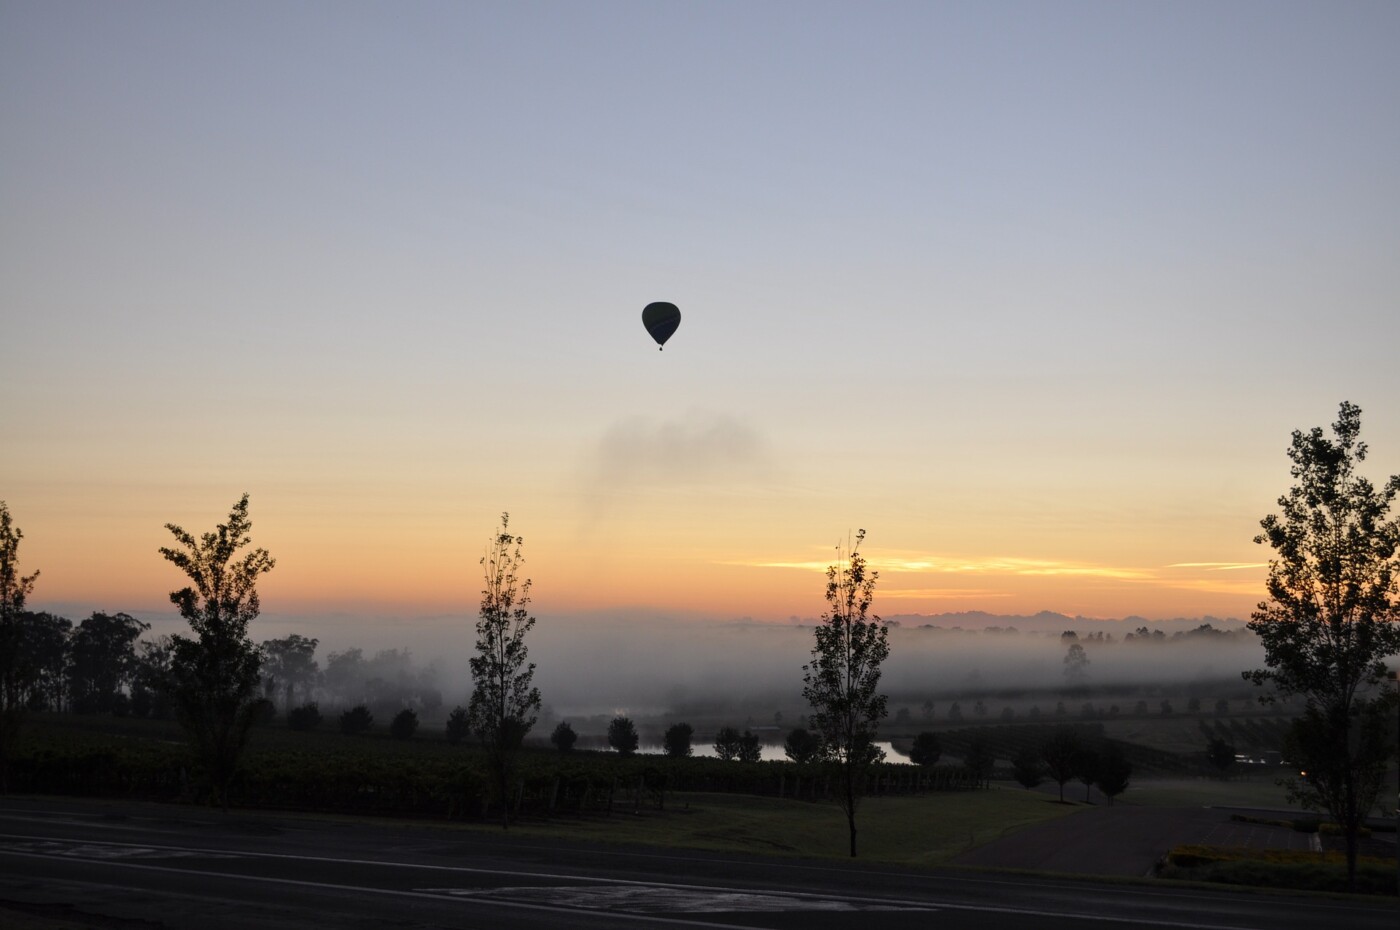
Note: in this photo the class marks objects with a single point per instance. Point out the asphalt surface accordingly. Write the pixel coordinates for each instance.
(67, 863)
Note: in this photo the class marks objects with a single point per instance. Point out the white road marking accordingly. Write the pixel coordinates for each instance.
(651, 919)
(77, 850)
(668, 900)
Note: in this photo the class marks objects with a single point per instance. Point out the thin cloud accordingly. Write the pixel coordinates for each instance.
(1216, 586)
(699, 447)
(1171, 576)
(1219, 566)
(985, 566)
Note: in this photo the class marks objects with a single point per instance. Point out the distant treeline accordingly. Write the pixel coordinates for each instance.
(102, 666)
(1142, 635)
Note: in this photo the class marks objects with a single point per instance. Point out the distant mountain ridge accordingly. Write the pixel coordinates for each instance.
(1048, 620)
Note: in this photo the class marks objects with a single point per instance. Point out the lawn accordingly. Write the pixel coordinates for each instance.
(1257, 792)
(920, 830)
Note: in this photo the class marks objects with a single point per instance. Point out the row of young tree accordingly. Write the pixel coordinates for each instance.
(1327, 624)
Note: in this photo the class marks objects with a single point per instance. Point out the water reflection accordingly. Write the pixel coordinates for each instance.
(772, 752)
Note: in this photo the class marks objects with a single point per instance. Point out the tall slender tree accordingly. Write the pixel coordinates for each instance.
(213, 678)
(1330, 619)
(17, 666)
(504, 701)
(841, 681)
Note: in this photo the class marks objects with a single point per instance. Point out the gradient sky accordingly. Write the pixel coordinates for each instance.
(1033, 292)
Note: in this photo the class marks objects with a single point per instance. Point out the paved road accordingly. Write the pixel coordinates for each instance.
(148, 866)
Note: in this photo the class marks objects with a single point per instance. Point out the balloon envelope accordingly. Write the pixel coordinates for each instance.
(661, 320)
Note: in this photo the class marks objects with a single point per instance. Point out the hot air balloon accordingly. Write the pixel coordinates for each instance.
(661, 320)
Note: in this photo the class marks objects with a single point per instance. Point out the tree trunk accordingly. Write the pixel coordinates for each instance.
(851, 807)
(1352, 843)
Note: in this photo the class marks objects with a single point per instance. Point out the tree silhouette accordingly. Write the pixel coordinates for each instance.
(17, 666)
(728, 742)
(290, 664)
(102, 662)
(1330, 618)
(841, 680)
(458, 727)
(979, 759)
(356, 720)
(1060, 754)
(305, 717)
(1112, 771)
(1076, 665)
(927, 750)
(750, 748)
(503, 702)
(213, 678)
(677, 740)
(1027, 768)
(563, 736)
(404, 724)
(149, 694)
(622, 736)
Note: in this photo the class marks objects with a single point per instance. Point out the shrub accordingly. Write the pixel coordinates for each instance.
(622, 735)
(677, 740)
(305, 717)
(457, 725)
(727, 743)
(750, 749)
(404, 724)
(1279, 868)
(1027, 767)
(356, 720)
(563, 737)
(926, 750)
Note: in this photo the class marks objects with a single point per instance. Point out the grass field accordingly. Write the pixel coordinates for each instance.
(924, 830)
(1260, 792)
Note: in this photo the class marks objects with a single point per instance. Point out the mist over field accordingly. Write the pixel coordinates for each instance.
(649, 668)
(644, 666)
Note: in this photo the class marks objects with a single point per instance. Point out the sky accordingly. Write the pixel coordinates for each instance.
(1034, 293)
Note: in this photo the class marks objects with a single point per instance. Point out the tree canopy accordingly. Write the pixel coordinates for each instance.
(18, 668)
(504, 700)
(213, 678)
(841, 681)
(1331, 617)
